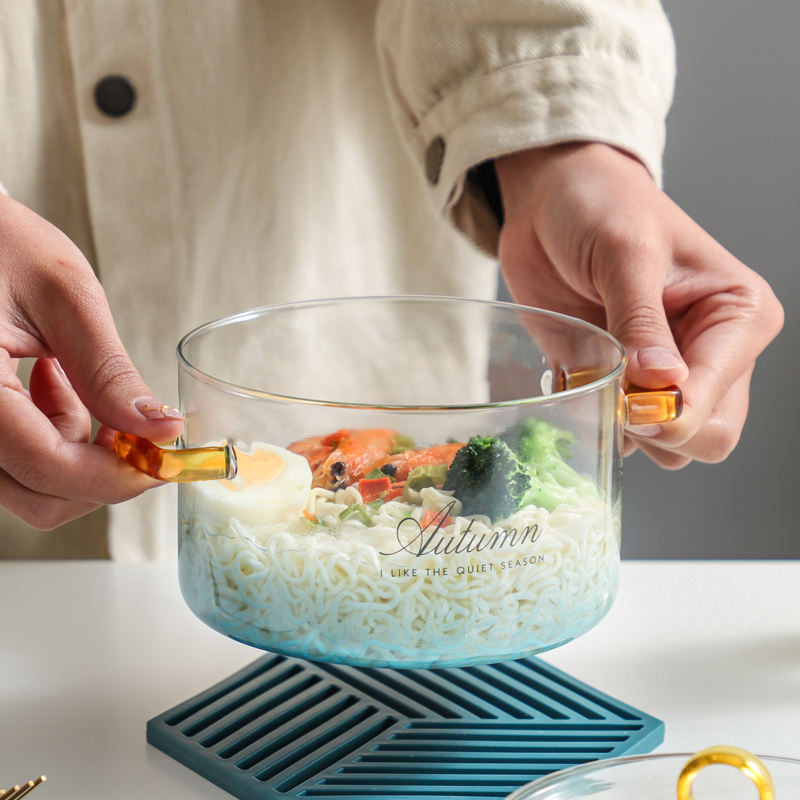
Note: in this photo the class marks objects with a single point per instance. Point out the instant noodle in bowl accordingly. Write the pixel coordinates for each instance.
(437, 484)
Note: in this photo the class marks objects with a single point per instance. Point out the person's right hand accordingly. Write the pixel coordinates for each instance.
(587, 232)
(52, 308)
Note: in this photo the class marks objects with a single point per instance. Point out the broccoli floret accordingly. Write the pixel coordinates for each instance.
(543, 448)
(488, 478)
(536, 442)
(524, 465)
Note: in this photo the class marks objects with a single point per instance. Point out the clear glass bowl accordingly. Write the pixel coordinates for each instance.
(656, 777)
(422, 481)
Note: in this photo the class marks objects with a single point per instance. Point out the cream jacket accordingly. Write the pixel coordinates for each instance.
(280, 151)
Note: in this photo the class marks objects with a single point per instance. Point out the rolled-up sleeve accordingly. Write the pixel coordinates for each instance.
(469, 80)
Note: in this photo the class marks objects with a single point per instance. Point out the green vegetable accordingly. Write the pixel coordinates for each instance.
(536, 441)
(361, 512)
(401, 442)
(543, 449)
(524, 465)
(427, 475)
(488, 478)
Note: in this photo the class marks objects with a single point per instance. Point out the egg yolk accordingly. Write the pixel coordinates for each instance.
(261, 467)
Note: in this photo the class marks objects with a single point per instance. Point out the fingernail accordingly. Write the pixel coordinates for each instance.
(62, 376)
(151, 409)
(644, 430)
(60, 371)
(658, 357)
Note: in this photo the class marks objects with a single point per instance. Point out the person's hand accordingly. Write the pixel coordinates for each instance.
(52, 308)
(588, 233)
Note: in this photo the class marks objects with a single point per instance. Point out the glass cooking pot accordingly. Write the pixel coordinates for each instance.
(405, 482)
(706, 775)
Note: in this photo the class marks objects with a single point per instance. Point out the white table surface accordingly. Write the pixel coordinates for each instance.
(90, 651)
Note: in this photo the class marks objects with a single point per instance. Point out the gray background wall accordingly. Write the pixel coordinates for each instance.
(732, 163)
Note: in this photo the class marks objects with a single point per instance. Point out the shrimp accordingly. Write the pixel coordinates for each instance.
(313, 448)
(345, 456)
(398, 466)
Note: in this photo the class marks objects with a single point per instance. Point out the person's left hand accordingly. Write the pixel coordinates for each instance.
(588, 233)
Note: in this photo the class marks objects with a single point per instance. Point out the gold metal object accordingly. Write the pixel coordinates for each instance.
(18, 791)
(642, 406)
(167, 464)
(742, 760)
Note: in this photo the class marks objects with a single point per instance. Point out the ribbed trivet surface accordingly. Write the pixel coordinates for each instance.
(284, 728)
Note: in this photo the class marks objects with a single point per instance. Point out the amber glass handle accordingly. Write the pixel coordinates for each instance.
(652, 406)
(742, 760)
(642, 406)
(180, 465)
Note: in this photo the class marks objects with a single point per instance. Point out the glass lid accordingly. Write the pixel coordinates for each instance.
(717, 773)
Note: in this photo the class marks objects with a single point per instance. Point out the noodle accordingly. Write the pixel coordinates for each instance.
(397, 594)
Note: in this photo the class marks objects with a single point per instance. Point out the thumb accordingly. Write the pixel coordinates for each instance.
(635, 315)
(116, 395)
(55, 307)
(80, 331)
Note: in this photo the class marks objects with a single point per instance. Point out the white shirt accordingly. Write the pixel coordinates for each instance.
(262, 160)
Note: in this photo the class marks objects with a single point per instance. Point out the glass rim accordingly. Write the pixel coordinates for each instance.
(555, 778)
(232, 388)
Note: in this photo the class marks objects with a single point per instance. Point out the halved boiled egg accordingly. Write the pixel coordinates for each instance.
(271, 485)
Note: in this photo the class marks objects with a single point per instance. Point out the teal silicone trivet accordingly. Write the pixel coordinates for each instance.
(283, 728)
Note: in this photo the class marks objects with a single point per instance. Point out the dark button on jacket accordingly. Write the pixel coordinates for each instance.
(114, 95)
